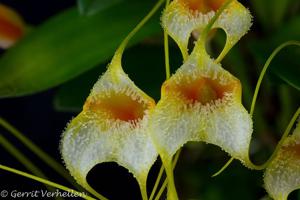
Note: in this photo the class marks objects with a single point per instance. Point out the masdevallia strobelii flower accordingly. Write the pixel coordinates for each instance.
(201, 101)
(113, 125)
(283, 172)
(182, 17)
(111, 128)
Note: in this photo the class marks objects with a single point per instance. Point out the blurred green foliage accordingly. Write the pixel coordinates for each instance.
(67, 45)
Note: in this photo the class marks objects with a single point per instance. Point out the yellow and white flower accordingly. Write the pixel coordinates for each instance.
(282, 174)
(111, 128)
(201, 102)
(182, 17)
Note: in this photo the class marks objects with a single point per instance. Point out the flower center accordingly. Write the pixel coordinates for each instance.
(119, 106)
(202, 90)
(203, 6)
(295, 148)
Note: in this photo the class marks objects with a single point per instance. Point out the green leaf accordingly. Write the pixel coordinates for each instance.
(147, 72)
(285, 65)
(91, 7)
(68, 45)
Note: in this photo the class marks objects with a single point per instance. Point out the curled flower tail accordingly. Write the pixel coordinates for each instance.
(182, 17)
(111, 128)
(12, 27)
(282, 176)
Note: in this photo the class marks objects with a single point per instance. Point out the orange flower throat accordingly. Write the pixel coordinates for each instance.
(119, 106)
(203, 90)
(203, 6)
(294, 148)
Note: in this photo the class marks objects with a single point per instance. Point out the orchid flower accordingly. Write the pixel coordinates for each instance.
(283, 172)
(111, 128)
(12, 27)
(201, 102)
(113, 125)
(182, 17)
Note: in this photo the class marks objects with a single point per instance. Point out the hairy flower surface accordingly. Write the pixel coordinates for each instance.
(201, 102)
(282, 176)
(12, 27)
(182, 17)
(111, 128)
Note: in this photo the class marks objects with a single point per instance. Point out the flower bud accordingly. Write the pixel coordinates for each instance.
(12, 27)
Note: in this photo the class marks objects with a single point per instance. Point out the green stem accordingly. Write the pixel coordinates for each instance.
(119, 52)
(38, 151)
(144, 192)
(161, 190)
(167, 59)
(164, 185)
(166, 49)
(266, 66)
(258, 85)
(283, 137)
(161, 171)
(50, 183)
(94, 192)
(20, 157)
(224, 167)
(200, 44)
(23, 160)
(184, 53)
(226, 49)
(172, 193)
